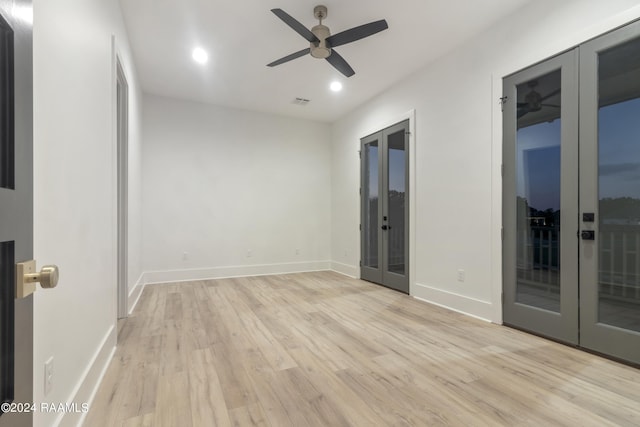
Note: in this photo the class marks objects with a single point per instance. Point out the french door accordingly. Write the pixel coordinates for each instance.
(384, 225)
(16, 210)
(571, 196)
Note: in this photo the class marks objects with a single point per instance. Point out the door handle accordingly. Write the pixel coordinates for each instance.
(27, 277)
(385, 227)
(588, 235)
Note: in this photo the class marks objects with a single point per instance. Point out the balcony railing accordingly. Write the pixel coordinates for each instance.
(538, 260)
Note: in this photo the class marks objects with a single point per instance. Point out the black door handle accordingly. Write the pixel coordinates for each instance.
(385, 227)
(588, 235)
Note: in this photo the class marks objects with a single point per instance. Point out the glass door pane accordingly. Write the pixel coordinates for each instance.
(619, 186)
(7, 176)
(538, 201)
(396, 191)
(370, 211)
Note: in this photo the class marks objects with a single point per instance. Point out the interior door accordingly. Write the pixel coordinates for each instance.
(16, 206)
(610, 194)
(540, 199)
(385, 207)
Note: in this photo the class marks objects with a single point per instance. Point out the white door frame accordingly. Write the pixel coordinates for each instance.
(121, 124)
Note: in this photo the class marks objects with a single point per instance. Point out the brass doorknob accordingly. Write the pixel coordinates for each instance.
(27, 277)
(48, 277)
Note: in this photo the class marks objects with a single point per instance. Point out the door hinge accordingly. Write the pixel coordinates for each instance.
(503, 100)
(502, 170)
(360, 227)
(360, 263)
(502, 234)
(360, 153)
(360, 191)
(502, 298)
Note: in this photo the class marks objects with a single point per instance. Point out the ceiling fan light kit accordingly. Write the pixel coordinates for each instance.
(322, 43)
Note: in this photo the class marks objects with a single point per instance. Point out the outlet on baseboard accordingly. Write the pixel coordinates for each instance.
(48, 375)
(249, 253)
(461, 275)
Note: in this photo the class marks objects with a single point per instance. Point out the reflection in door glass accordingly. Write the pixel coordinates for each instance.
(538, 192)
(7, 178)
(396, 213)
(7, 316)
(370, 217)
(619, 186)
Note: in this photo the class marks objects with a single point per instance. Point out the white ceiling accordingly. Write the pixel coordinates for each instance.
(242, 36)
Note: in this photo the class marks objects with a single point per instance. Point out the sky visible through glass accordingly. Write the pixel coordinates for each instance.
(396, 171)
(618, 151)
(539, 179)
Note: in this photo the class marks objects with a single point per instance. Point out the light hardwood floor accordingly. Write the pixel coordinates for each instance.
(320, 349)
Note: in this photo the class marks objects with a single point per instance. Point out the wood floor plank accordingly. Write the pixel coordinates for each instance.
(321, 349)
(208, 407)
(173, 403)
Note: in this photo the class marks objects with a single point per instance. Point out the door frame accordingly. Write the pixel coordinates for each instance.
(122, 142)
(374, 127)
(121, 185)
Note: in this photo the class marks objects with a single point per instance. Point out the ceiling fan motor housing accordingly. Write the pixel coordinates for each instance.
(320, 49)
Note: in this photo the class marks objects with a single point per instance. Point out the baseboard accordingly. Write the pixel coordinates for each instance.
(86, 389)
(134, 294)
(470, 306)
(346, 269)
(171, 276)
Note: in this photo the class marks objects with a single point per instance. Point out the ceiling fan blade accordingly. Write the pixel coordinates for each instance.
(554, 93)
(340, 64)
(288, 58)
(357, 33)
(297, 26)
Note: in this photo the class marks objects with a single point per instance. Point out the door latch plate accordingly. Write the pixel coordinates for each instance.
(25, 288)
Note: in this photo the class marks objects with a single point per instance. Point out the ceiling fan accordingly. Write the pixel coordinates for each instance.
(533, 101)
(322, 42)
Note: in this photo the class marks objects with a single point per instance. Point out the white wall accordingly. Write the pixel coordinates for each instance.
(220, 182)
(458, 149)
(75, 193)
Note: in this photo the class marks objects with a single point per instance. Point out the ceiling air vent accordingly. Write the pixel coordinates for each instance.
(301, 101)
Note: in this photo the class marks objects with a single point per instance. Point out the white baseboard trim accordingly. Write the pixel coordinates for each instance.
(172, 276)
(470, 306)
(86, 389)
(134, 294)
(346, 269)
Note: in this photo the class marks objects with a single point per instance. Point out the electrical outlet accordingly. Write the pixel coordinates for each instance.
(48, 375)
(460, 275)
(185, 256)
(249, 253)
(297, 251)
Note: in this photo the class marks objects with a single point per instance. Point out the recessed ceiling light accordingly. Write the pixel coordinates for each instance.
(336, 86)
(200, 55)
